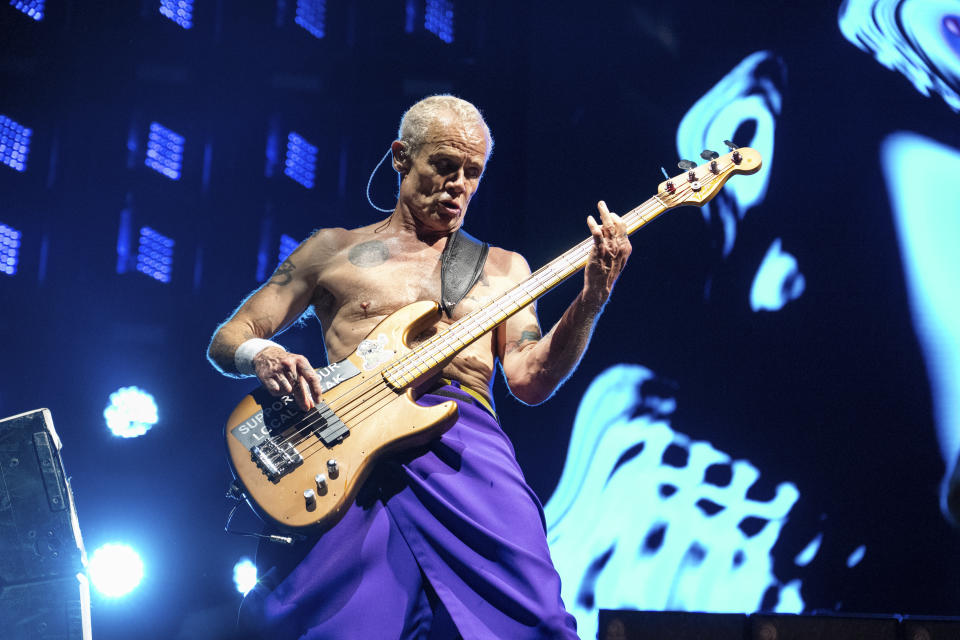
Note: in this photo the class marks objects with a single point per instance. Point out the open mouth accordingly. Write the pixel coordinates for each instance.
(450, 207)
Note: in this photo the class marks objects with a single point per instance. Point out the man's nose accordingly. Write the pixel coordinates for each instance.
(458, 182)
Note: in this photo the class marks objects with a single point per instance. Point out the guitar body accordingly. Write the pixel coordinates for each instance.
(379, 420)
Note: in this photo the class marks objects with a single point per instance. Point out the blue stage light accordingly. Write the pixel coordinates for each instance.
(180, 11)
(287, 245)
(312, 16)
(14, 143)
(245, 575)
(164, 151)
(155, 255)
(9, 249)
(33, 8)
(115, 570)
(131, 412)
(438, 19)
(301, 164)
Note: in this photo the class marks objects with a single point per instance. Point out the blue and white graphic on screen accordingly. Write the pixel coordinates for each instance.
(131, 412)
(9, 249)
(920, 175)
(743, 108)
(155, 255)
(778, 280)
(14, 143)
(287, 245)
(301, 163)
(245, 575)
(164, 151)
(33, 8)
(115, 570)
(438, 19)
(312, 16)
(918, 38)
(180, 11)
(679, 530)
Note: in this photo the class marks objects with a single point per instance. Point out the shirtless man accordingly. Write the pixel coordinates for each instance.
(355, 278)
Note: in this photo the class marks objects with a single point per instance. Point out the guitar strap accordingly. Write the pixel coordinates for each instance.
(461, 265)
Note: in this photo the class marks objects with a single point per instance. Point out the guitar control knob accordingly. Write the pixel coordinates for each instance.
(310, 498)
(333, 469)
(321, 481)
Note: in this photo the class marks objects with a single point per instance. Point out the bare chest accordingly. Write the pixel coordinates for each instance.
(372, 280)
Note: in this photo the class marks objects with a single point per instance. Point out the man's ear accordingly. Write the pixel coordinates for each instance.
(401, 159)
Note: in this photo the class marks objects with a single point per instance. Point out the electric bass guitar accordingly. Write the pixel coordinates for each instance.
(302, 469)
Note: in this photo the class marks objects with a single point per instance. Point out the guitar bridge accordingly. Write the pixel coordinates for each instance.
(276, 459)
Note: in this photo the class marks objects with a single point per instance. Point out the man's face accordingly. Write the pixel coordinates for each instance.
(444, 174)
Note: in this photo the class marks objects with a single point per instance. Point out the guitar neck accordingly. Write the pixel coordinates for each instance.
(437, 350)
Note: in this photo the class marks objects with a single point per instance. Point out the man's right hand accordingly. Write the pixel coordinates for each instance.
(282, 373)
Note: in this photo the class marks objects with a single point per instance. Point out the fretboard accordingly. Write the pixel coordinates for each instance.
(437, 350)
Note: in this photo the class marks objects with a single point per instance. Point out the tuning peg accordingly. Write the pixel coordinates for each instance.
(706, 154)
(665, 175)
(730, 145)
(686, 165)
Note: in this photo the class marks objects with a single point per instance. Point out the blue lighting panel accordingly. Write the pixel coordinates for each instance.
(180, 11)
(301, 164)
(312, 16)
(155, 255)
(33, 8)
(14, 143)
(287, 245)
(438, 19)
(9, 249)
(164, 151)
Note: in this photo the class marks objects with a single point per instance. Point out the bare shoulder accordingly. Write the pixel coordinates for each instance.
(506, 264)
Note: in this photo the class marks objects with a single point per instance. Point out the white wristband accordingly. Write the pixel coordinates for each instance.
(243, 357)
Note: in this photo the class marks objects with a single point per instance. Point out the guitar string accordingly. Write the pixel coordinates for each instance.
(414, 358)
(411, 358)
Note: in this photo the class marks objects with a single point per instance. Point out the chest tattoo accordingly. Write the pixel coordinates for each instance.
(368, 254)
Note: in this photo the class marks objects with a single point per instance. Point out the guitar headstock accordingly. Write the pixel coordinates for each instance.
(698, 185)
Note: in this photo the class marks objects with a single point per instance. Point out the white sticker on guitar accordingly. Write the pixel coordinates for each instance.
(374, 352)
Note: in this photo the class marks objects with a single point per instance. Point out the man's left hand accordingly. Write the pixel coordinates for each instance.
(611, 248)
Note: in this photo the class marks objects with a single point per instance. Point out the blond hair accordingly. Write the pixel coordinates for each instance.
(417, 121)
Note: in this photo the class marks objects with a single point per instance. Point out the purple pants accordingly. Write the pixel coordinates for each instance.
(446, 535)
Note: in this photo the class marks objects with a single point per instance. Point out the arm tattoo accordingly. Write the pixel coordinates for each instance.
(368, 254)
(527, 335)
(284, 274)
(530, 333)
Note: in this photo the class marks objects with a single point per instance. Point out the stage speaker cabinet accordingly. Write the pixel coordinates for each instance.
(44, 593)
(822, 627)
(930, 629)
(675, 625)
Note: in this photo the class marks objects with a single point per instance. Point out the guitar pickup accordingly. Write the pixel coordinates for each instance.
(275, 460)
(330, 429)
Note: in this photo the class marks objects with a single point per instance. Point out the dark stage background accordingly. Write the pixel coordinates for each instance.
(827, 390)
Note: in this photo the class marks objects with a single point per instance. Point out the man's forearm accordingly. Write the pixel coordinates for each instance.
(543, 365)
(224, 345)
